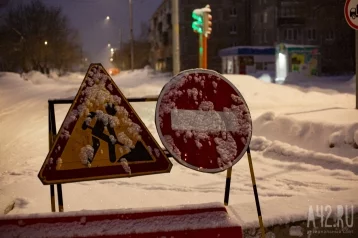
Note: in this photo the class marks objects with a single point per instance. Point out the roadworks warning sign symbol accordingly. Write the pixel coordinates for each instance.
(102, 137)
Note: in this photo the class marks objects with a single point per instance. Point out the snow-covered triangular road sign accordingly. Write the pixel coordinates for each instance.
(102, 137)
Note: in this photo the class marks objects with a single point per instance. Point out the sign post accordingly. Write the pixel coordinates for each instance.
(205, 52)
(201, 51)
(356, 48)
(351, 15)
(51, 140)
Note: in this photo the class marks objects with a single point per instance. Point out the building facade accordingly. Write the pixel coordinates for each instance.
(306, 22)
(230, 27)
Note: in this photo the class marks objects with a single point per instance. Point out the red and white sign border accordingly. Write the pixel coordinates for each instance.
(347, 15)
(174, 80)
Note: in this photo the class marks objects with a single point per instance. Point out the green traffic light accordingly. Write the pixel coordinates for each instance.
(197, 17)
(197, 25)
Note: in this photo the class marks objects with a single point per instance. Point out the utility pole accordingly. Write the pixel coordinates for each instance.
(356, 31)
(176, 39)
(120, 39)
(131, 33)
(121, 65)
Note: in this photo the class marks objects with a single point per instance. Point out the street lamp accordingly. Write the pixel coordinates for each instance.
(120, 37)
(111, 59)
(45, 42)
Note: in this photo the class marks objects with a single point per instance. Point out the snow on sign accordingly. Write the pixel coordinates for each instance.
(102, 137)
(203, 120)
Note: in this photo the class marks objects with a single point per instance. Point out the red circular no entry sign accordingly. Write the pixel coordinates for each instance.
(203, 120)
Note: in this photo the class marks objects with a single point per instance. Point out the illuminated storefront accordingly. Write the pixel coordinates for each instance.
(247, 59)
(303, 59)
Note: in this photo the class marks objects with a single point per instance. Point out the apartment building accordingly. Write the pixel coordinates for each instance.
(231, 27)
(306, 22)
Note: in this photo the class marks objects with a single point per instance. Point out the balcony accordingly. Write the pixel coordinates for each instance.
(284, 21)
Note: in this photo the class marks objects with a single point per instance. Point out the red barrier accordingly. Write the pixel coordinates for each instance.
(207, 220)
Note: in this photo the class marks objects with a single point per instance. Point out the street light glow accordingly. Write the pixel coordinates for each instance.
(112, 50)
(111, 59)
(109, 45)
(107, 18)
(45, 42)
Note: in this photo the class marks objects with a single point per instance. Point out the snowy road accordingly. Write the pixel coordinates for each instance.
(294, 164)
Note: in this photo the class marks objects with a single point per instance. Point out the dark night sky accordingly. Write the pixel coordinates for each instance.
(88, 16)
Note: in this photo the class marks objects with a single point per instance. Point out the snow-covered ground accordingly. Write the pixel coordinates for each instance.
(304, 150)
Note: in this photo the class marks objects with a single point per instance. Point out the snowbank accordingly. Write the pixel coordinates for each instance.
(41, 79)
(302, 157)
(340, 140)
(330, 84)
(296, 208)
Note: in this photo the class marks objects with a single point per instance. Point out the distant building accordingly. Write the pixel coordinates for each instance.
(231, 27)
(306, 22)
(256, 23)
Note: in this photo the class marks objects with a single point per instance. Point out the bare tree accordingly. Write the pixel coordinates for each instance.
(38, 37)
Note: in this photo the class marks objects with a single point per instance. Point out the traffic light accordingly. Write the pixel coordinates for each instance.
(207, 24)
(198, 22)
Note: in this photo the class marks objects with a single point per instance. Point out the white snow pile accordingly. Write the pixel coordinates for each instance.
(140, 83)
(352, 82)
(301, 157)
(265, 76)
(340, 140)
(331, 84)
(137, 83)
(39, 79)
